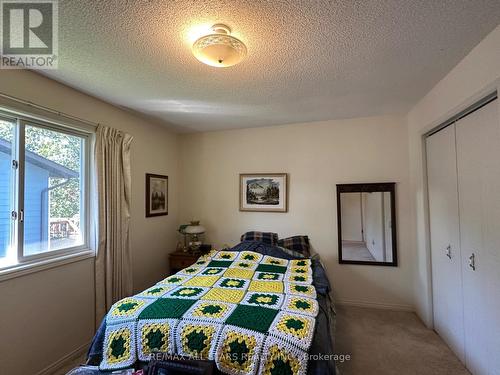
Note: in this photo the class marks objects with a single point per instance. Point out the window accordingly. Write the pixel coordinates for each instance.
(6, 185)
(43, 190)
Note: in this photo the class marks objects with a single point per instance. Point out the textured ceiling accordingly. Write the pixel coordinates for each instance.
(307, 60)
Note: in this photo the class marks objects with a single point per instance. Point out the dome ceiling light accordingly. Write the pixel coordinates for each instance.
(219, 49)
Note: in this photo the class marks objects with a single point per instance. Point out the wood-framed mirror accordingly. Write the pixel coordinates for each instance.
(366, 217)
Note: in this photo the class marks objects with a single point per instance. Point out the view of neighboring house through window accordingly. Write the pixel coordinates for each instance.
(52, 196)
(6, 185)
(47, 216)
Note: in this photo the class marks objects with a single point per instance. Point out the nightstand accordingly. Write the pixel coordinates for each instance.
(179, 260)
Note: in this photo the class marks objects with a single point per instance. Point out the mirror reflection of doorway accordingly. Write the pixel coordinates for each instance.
(366, 226)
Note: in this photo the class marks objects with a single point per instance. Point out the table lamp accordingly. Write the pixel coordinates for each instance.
(194, 230)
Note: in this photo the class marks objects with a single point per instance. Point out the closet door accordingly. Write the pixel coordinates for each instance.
(445, 238)
(478, 162)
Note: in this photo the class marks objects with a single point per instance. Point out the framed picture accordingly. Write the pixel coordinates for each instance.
(264, 192)
(156, 195)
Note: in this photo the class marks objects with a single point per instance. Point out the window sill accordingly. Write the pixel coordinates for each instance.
(44, 264)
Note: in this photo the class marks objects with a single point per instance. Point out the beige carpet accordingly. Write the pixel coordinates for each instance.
(356, 251)
(387, 342)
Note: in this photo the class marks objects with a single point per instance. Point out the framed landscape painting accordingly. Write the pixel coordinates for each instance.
(156, 195)
(264, 192)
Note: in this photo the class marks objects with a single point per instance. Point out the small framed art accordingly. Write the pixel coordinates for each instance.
(264, 192)
(156, 195)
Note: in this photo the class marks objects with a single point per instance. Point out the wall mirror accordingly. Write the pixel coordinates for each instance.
(366, 217)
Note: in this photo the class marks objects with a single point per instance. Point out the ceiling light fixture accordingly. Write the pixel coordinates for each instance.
(219, 49)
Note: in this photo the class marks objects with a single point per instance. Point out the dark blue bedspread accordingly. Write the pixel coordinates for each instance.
(322, 344)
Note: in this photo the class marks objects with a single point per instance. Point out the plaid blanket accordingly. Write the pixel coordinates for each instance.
(246, 311)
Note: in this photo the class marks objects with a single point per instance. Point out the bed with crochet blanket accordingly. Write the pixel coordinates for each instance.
(253, 309)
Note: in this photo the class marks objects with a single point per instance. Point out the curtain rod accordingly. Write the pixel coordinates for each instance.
(62, 114)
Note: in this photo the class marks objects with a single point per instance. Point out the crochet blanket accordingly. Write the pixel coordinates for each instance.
(250, 313)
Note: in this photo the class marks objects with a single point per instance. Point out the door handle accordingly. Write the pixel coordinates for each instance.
(448, 251)
(472, 262)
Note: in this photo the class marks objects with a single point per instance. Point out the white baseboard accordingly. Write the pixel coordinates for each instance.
(375, 305)
(59, 364)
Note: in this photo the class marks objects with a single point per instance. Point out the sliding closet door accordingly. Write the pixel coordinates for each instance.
(445, 241)
(478, 151)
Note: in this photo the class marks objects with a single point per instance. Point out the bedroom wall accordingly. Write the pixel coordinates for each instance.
(50, 314)
(477, 75)
(374, 227)
(317, 156)
(351, 217)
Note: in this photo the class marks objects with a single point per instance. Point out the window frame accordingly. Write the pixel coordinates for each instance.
(22, 261)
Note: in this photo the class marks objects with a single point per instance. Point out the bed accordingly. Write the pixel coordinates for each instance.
(250, 309)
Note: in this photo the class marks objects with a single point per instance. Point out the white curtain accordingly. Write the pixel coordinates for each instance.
(113, 268)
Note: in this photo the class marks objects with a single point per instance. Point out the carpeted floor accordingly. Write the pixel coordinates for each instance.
(383, 342)
(356, 251)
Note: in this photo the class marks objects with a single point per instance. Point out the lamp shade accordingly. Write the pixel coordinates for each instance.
(219, 49)
(194, 228)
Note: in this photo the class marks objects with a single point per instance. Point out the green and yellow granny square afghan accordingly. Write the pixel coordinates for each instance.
(250, 313)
